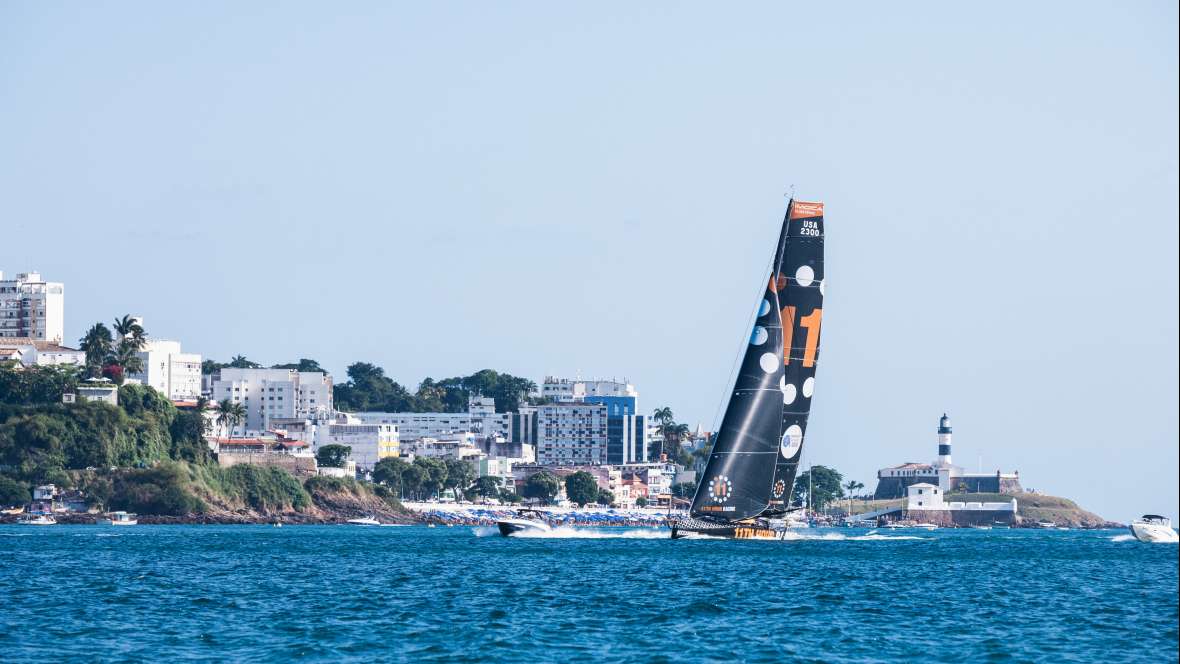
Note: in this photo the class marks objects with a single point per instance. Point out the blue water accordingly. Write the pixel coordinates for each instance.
(346, 593)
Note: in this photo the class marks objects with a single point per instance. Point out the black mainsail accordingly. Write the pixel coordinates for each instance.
(756, 453)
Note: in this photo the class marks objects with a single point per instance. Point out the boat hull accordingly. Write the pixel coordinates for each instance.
(694, 529)
(510, 527)
(1154, 532)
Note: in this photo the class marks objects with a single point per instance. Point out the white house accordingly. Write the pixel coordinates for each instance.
(35, 352)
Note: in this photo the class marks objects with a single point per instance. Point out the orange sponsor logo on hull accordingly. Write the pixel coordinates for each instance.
(802, 210)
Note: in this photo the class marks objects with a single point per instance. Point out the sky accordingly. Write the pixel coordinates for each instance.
(596, 188)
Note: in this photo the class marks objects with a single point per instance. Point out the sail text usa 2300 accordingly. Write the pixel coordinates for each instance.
(746, 486)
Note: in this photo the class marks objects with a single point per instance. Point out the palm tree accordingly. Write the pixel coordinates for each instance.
(130, 331)
(127, 356)
(202, 406)
(852, 485)
(96, 343)
(230, 416)
(662, 415)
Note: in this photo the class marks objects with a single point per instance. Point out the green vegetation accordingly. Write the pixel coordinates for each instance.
(542, 486)
(143, 455)
(581, 488)
(672, 435)
(114, 355)
(13, 493)
(824, 484)
(425, 476)
(333, 456)
(605, 497)
(369, 389)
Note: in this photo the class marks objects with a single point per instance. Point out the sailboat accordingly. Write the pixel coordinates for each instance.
(745, 489)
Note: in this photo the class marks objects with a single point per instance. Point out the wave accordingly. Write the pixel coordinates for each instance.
(871, 536)
(569, 532)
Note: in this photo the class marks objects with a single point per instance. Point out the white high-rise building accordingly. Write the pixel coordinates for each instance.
(32, 307)
(565, 390)
(369, 442)
(170, 372)
(274, 393)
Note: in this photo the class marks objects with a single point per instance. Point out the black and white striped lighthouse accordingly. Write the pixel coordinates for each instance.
(944, 440)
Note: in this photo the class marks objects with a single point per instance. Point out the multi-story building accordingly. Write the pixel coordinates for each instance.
(369, 442)
(572, 433)
(461, 446)
(170, 372)
(274, 393)
(32, 307)
(481, 419)
(626, 429)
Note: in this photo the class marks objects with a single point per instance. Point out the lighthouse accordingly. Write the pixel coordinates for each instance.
(944, 441)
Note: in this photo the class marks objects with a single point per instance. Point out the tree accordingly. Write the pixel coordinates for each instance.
(240, 362)
(824, 483)
(389, 471)
(231, 415)
(684, 490)
(488, 486)
(130, 331)
(333, 456)
(98, 345)
(460, 474)
(641, 502)
(13, 493)
(303, 364)
(434, 474)
(581, 488)
(543, 486)
(850, 486)
(412, 479)
(605, 497)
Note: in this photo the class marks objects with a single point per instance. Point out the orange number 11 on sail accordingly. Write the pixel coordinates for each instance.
(810, 322)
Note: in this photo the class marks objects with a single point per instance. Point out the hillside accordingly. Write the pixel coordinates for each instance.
(1034, 507)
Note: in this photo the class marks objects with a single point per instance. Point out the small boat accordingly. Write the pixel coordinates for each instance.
(925, 526)
(38, 520)
(119, 519)
(364, 521)
(1153, 528)
(1048, 525)
(526, 521)
(977, 527)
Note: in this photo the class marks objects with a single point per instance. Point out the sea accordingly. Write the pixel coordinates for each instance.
(415, 594)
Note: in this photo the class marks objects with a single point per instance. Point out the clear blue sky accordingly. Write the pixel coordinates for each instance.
(540, 188)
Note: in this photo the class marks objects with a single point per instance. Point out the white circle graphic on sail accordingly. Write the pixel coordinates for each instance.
(759, 336)
(789, 393)
(764, 308)
(768, 362)
(804, 275)
(821, 286)
(809, 387)
(791, 442)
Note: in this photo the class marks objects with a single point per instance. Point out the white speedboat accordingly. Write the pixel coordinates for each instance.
(525, 521)
(38, 520)
(364, 521)
(118, 519)
(925, 526)
(1153, 528)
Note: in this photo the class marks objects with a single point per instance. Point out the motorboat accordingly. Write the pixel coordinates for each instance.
(925, 526)
(526, 521)
(119, 519)
(364, 521)
(978, 527)
(38, 520)
(1153, 528)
